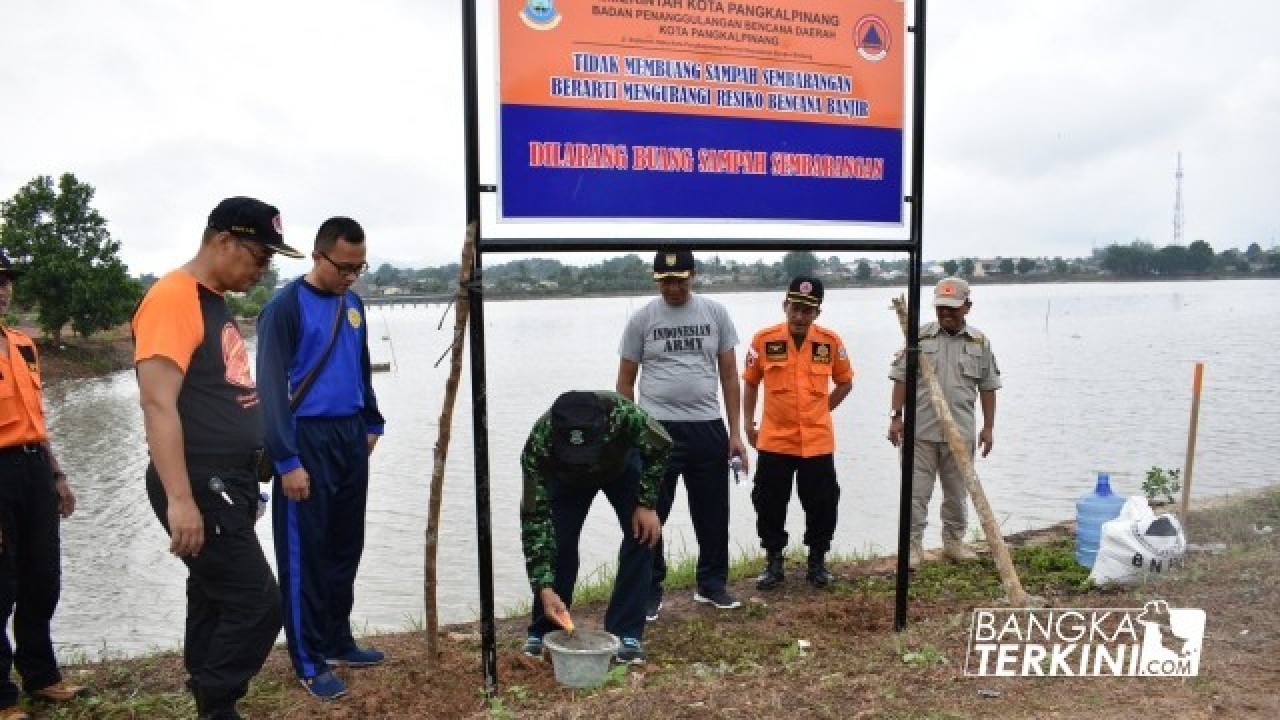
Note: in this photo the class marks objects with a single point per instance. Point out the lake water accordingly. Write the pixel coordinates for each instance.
(1097, 377)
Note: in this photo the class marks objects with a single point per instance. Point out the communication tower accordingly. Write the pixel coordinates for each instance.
(1177, 204)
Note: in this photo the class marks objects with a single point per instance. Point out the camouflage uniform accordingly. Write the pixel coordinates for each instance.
(556, 494)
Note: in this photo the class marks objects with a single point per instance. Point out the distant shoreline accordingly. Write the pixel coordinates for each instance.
(716, 288)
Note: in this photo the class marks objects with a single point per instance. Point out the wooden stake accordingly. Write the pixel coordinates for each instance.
(961, 450)
(1196, 383)
(461, 311)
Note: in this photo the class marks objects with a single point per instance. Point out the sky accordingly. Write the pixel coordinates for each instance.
(1052, 127)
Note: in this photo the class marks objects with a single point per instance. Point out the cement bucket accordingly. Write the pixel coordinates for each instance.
(580, 660)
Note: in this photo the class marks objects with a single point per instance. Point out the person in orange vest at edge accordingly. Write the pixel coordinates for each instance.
(33, 496)
(806, 374)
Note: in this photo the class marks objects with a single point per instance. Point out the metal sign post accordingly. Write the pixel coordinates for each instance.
(604, 119)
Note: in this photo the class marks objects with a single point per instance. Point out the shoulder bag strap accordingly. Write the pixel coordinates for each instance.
(305, 386)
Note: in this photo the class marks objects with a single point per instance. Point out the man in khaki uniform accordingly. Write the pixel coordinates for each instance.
(967, 371)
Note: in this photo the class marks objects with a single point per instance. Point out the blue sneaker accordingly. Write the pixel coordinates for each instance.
(325, 686)
(630, 652)
(358, 657)
(532, 646)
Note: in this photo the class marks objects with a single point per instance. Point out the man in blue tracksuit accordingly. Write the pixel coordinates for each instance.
(321, 451)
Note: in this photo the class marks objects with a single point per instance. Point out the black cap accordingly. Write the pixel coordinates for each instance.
(806, 290)
(251, 219)
(672, 264)
(578, 426)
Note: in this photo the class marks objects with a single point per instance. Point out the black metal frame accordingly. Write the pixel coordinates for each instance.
(479, 389)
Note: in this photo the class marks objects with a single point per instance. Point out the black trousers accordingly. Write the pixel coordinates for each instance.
(569, 507)
(30, 570)
(233, 602)
(819, 494)
(700, 454)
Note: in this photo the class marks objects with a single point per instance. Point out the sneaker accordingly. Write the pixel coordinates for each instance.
(720, 598)
(325, 686)
(532, 646)
(358, 658)
(59, 692)
(630, 652)
(652, 607)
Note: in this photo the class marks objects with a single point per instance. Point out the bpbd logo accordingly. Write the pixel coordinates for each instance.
(871, 37)
(1151, 641)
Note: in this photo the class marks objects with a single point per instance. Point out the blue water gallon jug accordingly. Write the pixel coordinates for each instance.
(1093, 509)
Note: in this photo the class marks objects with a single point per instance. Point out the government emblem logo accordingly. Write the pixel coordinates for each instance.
(353, 317)
(540, 14)
(872, 38)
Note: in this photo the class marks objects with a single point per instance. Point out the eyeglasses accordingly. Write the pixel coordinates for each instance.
(261, 256)
(345, 268)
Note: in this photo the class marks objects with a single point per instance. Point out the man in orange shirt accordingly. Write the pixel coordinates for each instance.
(806, 374)
(33, 494)
(204, 432)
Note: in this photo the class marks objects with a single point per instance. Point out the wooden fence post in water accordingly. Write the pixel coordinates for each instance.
(960, 450)
(1196, 383)
(461, 310)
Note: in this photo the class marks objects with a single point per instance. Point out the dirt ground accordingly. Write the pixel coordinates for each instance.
(748, 663)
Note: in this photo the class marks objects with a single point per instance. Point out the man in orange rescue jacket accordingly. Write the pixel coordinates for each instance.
(33, 496)
(806, 374)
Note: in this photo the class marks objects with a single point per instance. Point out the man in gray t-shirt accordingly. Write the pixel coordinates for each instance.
(681, 347)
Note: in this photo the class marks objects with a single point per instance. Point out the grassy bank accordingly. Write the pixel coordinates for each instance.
(801, 652)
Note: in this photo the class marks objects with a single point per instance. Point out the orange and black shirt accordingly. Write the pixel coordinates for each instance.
(191, 325)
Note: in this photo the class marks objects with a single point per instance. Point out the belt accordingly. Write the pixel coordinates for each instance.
(228, 461)
(24, 449)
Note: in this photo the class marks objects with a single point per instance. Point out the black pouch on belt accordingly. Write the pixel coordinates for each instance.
(263, 468)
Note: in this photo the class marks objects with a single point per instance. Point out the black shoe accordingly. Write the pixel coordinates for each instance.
(652, 607)
(720, 598)
(772, 576)
(818, 575)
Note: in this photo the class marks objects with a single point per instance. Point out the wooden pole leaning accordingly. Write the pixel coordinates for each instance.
(1196, 384)
(961, 451)
(429, 580)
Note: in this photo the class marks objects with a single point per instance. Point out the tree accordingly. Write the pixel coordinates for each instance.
(1172, 260)
(1199, 257)
(966, 267)
(863, 273)
(1253, 252)
(1006, 266)
(1060, 266)
(799, 262)
(1026, 265)
(951, 267)
(1136, 259)
(71, 266)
